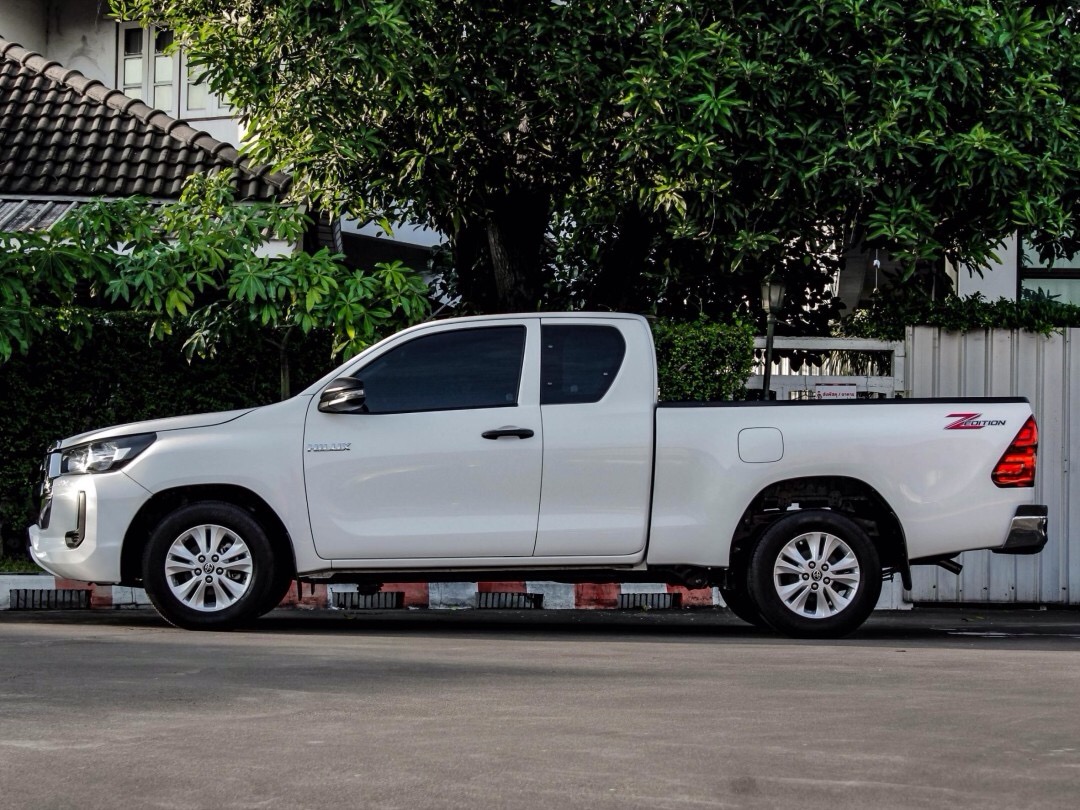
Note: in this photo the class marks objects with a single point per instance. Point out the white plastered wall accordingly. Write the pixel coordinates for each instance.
(997, 281)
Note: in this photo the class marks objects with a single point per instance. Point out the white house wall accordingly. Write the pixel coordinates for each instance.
(1047, 372)
(997, 281)
(23, 21)
(72, 33)
(80, 39)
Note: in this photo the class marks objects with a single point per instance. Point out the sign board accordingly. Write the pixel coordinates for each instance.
(836, 390)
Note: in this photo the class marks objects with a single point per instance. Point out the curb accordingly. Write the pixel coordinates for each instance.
(434, 595)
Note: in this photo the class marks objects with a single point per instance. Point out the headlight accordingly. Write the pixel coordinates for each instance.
(103, 456)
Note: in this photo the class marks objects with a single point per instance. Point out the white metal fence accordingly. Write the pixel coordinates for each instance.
(836, 362)
(999, 363)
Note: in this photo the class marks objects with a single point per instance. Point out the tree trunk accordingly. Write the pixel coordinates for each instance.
(284, 375)
(283, 359)
(472, 265)
(516, 227)
(616, 284)
(498, 260)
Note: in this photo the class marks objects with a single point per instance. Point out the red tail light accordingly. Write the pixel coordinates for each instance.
(1017, 467)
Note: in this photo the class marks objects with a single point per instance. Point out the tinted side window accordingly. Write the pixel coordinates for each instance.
(469, 368)
(579, 363)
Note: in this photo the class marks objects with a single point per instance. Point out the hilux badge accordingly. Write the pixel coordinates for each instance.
(332, 447)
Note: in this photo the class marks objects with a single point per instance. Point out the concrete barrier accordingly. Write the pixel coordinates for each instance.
(435, 595)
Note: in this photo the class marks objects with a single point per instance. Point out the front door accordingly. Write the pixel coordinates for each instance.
(445, 463)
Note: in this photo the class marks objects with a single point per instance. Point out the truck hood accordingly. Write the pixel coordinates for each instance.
(195, 420)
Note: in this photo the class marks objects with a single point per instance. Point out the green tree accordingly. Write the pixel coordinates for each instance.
(39, 275)
(672, 152)
(204, 267)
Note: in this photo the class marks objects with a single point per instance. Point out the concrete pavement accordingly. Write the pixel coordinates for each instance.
(568, 709)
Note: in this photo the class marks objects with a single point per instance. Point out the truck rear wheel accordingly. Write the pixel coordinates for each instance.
(815, 574)
(208, 566)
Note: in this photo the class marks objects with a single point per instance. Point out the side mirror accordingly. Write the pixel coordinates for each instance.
(343, 395)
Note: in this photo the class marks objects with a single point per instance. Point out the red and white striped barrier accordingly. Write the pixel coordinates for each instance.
(434, 595)
(99, 596)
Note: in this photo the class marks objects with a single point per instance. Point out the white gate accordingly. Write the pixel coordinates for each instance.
(873, 368)
(1001, 363)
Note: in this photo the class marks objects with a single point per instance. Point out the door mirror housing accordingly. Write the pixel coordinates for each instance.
(343, 395)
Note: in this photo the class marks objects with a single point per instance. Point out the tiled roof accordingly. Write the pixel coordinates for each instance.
(63, 134)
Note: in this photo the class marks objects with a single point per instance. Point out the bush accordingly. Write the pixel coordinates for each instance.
(118, 375)
(892, 310)
(702, 359)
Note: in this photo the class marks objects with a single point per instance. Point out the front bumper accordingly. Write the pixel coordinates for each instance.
(1027, 533)
(83, 524)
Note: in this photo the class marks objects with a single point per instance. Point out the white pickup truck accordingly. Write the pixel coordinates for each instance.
(532, 446)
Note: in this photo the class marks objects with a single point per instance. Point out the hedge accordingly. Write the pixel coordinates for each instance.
(703, 360)
(120, 376)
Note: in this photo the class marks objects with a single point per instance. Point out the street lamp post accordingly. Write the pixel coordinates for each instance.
(772, 301)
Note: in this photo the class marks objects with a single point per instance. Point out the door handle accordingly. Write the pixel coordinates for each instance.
(520, 433)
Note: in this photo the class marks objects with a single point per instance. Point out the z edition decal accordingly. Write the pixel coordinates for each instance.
(971, 421)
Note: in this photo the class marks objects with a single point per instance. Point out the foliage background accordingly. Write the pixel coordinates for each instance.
(662, 155)
(702, 359)
(118, 375)
(894, 309)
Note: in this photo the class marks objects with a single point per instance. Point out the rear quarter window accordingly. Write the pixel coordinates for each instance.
(579, 363)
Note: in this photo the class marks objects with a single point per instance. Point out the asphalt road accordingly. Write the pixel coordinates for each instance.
(531, 710)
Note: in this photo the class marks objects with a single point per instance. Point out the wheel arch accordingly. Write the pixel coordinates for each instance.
(848, 496)
(167, 501)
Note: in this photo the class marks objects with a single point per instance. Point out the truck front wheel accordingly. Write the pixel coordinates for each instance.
(815, 574)
(208, 566)
(740, 602)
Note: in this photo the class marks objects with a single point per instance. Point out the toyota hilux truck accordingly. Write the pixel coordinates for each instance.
(532, 446)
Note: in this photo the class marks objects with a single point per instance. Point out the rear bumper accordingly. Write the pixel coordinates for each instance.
(1027, 533)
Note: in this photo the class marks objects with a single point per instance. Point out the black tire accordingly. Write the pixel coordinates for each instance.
(208, 566)
(282, 582)
(740, 602)
(815, 574)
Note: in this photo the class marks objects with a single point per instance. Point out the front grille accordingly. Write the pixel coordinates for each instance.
(43, 489)
(46, 514)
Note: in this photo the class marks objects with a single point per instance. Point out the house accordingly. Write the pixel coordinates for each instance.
(66, 138)
(93, 106)
(82, 36)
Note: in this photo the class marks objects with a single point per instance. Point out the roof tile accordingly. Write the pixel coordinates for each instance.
(62, 133)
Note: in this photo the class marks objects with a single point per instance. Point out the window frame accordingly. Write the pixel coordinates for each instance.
(180, 83)
(521, 329)
(1028, 275)
(216, 107)
(581, 326)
